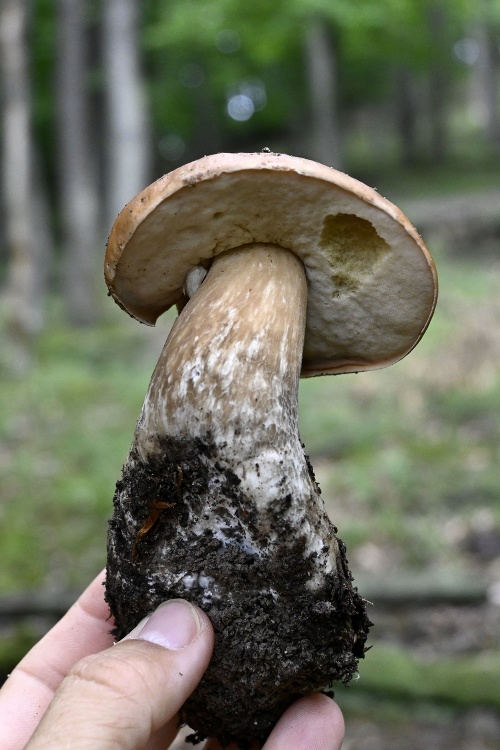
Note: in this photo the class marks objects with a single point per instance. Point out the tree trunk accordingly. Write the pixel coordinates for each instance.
(488, 65)
(321, 66)
(128, 133)
(77, 179)
(438, 85)
(42, 228)
(23, 293)
(407, 116)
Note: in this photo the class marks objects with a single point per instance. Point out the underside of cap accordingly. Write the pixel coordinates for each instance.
(372, 285)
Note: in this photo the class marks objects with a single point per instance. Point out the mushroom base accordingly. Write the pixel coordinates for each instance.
(276, 639)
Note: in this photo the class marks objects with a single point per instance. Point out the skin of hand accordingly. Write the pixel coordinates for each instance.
(76, 689)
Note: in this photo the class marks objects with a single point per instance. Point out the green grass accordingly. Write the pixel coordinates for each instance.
(65, 430)
(462, 681)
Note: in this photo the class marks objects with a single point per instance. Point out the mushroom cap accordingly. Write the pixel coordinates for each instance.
(372, 284)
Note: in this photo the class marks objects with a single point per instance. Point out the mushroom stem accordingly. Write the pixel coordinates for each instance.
(229, 372)
(218, 504)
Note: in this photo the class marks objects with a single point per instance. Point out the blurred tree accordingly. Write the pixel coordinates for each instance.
(438, 80)
(321, 54)
(407, 115)
(23, 289)
(486, 32)
(128, 133)
(490, 68)
(78, 198)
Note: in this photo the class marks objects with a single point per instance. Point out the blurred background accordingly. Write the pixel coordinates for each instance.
(100, 98)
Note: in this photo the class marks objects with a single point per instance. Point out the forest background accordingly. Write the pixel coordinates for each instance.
(100, 97)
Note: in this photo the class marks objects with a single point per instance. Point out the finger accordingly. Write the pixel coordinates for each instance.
(118, 699)
(312, 723)
(25, 696)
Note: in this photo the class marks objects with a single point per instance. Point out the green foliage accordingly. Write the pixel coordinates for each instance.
(196, 55)
(64, 432)
(223, 44)
(42, 44)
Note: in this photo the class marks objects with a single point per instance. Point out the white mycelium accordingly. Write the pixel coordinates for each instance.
(230, 370)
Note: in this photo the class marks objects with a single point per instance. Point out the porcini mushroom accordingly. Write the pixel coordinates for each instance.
(280, 267)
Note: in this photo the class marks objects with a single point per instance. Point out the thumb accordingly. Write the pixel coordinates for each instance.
(118, 699)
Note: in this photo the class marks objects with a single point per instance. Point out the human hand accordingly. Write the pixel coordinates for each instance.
(73, 690)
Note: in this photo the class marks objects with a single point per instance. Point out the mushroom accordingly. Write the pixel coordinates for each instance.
(280, 267)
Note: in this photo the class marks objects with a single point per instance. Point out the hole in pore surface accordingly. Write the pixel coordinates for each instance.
(353, 248)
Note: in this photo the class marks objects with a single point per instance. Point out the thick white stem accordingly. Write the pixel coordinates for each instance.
(230, 369)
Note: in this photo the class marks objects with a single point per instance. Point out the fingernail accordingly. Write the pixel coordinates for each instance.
(174, 625)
